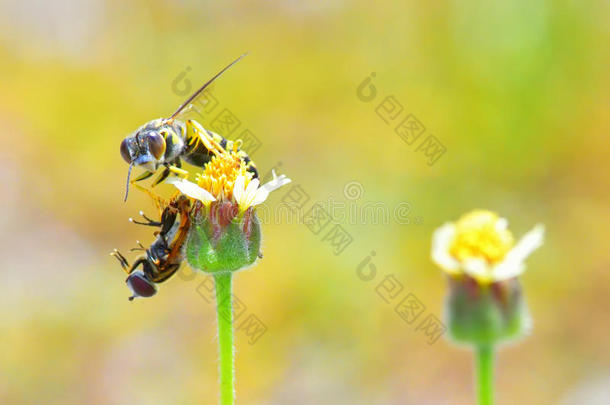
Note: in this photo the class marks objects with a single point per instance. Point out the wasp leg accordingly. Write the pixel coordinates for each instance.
(149, 222)
(166, 172)
(178, 171)
(205, 137)
(143, 176)
(176, 168)
(124, 263)
(159, 201)
(164, 175)
(140, 247)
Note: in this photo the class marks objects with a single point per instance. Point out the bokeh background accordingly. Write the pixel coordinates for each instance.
(517, 93)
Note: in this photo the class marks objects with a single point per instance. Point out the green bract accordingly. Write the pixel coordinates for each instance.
(486, 314)
(220, 241)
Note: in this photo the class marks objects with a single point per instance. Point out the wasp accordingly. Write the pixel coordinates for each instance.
(165, 255)
(167, 141)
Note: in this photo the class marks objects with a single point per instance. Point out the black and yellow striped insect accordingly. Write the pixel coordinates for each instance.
(165, 255)
(167, 141)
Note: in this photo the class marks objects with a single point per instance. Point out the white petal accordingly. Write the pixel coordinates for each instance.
(441, 240)
(248, 195)
(478, 269)
(276, 182)
(260, 197)
(256, 194)
(238, 188)
(513, 265)
(262, 193)
(528, 243)
(252, 187)
(191, 189)
(501, 224)
(507, 269)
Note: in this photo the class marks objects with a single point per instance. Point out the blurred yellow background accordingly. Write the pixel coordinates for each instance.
(516, 92)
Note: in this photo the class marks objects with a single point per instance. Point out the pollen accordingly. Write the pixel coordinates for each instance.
(481, 235)
(220, 173)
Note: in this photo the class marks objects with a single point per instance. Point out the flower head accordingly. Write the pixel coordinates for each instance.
(480, 245)
(225, 234)
(225, 178)
(220, 174)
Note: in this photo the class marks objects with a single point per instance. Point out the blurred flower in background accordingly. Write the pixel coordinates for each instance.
(485, 304)
(480, 245)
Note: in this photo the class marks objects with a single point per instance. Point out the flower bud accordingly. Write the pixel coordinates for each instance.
(485, 314)
(222, 240)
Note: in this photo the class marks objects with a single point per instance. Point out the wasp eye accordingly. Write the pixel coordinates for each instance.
(140, 286)
(156, 144)
(125, 151)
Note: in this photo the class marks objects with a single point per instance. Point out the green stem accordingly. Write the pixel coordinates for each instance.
(224, 311)
(485, 359)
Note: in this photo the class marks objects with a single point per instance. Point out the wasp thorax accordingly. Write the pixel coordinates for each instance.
(140, 286)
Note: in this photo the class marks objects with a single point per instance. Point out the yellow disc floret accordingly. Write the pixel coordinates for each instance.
(220, 173)
(481, 235)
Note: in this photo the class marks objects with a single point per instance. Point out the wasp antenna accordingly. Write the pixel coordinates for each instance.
(127, 183)
(205, 85)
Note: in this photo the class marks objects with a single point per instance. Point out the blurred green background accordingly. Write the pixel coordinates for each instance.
(517, 92)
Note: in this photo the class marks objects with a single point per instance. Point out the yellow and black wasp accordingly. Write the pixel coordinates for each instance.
(165, 141)
(165, 255)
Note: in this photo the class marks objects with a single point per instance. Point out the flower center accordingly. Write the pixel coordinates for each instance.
(220, 173)
(482, 235)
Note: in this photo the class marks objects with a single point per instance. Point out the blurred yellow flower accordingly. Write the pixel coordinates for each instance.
(480, 245)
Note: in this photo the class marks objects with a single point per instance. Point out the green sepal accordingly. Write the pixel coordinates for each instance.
(255, 239)
(486, 314)
(217, 249)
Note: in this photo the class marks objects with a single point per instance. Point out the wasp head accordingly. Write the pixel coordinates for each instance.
(140, 285)
(145, 147)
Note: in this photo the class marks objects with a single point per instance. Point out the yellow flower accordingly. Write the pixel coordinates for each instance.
(480, 245)
(220, 173)
(225, 178)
